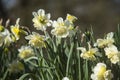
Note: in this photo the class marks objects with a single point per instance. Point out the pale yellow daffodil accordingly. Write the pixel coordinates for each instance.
(36, 40)
(88, 54)
(25, 52)
(100, 72)
(112, 53)
(109, 40)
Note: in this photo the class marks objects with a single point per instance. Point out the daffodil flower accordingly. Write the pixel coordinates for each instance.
(109, 40)
(5, 37)
(112, 53)
(2, 35)
(62, 28)
(8, 39)
(71, 18)
(41, 20)
(25, 52)
(16, 30)
(36, 40)
(88, 54)
(100, 72)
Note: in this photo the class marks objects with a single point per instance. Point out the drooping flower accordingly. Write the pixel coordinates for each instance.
(100, 72)
(112, 53)
(71, 18)
(36, 40)
(25, 52)
(109, 40)
(41, 20)
(65, 78)
(88, 54)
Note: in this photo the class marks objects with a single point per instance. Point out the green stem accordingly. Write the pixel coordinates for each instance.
(5, 74)
(86, 70)
(69, 56)
(79, 68)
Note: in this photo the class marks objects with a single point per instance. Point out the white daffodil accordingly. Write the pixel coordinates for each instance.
(62, 28)
(111, 50)
(5, 37)
(36, 40)
(112, 53)
(60, 32)
(60, 22)
(41, 20)
(8, 39)
(100, 72)
(65, 78)
(88, 54)
(25, 52)
(2, 38)
(109, 40)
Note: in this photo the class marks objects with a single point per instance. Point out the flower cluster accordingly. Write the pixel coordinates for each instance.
(110, 49)
(57, 53)
(102, 47)
(62, 28)
(6, 37)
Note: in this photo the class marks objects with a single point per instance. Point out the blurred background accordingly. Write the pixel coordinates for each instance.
(102, 15)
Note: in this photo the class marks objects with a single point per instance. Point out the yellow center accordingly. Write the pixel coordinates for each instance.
(25, 54)
(61, 31)
(101, 72)
(90, 53)
(41, 20)
(37, 41)
(15, 30)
